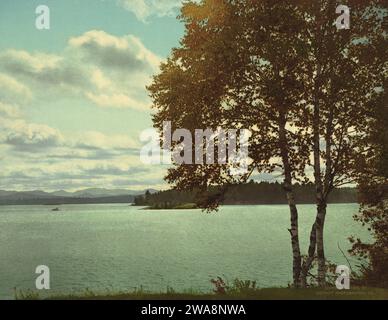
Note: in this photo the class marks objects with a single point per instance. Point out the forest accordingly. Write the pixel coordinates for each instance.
(252, 193)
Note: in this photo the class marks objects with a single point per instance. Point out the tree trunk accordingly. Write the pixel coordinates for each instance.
(297, 260)
(287, 186)
(310, 258)
(321, 215)
(319, 188)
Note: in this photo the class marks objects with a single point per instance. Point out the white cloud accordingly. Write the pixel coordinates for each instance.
(33, 137)
(107, 70)
(126, 53)
(96, 67)
(12, 90)
(33, 63)
(100, 80)
(29, 136)
(117, 100)
(9, 110)
(39, 156)
(75, 174)
(144, 9)
(98, 140)
(42, 73)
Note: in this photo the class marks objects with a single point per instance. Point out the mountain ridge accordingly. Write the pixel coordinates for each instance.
(40, 197)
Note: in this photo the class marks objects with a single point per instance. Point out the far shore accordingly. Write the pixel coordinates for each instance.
(183, 206)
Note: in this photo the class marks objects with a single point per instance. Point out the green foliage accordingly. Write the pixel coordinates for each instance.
(236, 288)
(380, 133)
(373, 215)
(373, 189)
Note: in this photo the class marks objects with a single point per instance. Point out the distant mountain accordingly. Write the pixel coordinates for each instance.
(16, 195)
(98, 192)
(61, 193)
(91, 195)
(4, 193)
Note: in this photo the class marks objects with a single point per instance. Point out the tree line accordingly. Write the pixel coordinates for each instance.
(252, 193)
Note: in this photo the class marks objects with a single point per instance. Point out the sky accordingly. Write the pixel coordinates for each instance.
(73, 99)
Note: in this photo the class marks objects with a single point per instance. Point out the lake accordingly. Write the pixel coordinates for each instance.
(118, 247)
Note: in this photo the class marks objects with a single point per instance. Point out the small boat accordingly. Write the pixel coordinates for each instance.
(56, 209)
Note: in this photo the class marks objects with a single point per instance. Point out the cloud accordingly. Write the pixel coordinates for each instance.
(32, 137)
(107, 70)
(123, 53)
(93, 140)
(29, 136)
(12, 90)
(9, 110)
(100, 80)
(117, 100)
(95, 68)
(113, 170)
(42, 70)
(88, 153)
(73, 174)
(89, 170)
(37, 156)
(144, 9)
(19, 60)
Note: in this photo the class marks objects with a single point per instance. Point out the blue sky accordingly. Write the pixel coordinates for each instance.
(73, 99)
(74, 17)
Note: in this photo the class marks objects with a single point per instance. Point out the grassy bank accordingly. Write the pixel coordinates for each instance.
(254, 294)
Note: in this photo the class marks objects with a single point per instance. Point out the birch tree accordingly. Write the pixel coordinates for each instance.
(345, 75)
(285, 72)
(226, 73)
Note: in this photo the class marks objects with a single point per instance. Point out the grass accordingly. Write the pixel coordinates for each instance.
(241, 294)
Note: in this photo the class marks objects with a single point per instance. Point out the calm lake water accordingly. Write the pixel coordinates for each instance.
(118, 247)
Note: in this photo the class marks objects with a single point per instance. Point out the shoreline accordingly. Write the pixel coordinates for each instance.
(331, 293)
